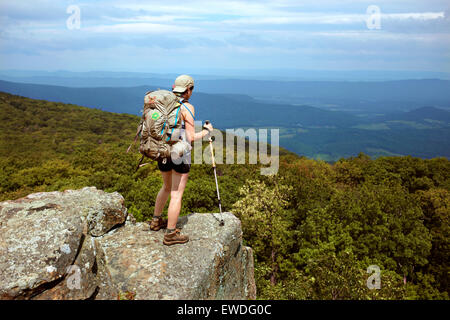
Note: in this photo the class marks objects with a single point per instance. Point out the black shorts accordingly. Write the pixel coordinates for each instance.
(169, 165)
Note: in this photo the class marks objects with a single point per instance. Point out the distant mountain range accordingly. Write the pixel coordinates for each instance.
(311, 131)
(423, 114)
(230, 110)
(290, 74)
(367, 97)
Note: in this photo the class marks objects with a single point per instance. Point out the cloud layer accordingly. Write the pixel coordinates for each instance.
(169, 35)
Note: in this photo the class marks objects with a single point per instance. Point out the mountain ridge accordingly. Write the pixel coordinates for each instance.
(224, 110)
(310, 131)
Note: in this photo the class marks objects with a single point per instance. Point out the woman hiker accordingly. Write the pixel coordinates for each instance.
(174, 175)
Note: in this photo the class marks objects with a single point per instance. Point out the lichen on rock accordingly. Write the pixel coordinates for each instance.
(82, 244)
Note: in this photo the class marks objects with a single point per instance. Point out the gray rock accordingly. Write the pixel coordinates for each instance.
(212, 265)
(36, 246)
(102, 211)
(81, 244)
(41, 236)
(80, 281)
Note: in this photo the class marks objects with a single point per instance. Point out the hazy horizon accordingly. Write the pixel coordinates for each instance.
(245, 74)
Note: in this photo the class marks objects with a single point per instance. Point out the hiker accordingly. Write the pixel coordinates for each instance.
(174, 173)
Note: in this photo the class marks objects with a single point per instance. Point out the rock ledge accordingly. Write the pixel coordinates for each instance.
(82, 244)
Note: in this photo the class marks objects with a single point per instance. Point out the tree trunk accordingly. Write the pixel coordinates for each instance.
(273, 280)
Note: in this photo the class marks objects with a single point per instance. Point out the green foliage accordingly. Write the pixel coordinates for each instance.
(435, 204)
(265, 220)
(342, 218)
(49, 146)
(314, 227)
(380, 224)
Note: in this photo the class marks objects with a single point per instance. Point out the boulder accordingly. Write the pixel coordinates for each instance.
(82, 244)
(212, 265)
(80, 281)
(43, 235)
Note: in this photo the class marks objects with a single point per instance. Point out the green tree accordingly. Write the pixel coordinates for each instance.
(265, 221)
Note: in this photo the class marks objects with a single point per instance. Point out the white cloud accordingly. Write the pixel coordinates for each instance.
(160, 19)
(141, 28)
(415, 15)
(261, 29)
(200, 7)
(318, 18)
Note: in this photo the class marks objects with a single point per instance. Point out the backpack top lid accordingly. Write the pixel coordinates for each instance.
(147, 98)
(160, 99)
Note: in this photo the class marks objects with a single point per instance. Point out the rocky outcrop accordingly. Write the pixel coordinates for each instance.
(82, 244)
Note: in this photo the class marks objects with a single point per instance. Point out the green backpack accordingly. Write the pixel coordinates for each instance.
(160, 118)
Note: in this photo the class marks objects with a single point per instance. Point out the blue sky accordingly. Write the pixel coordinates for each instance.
(197, 36)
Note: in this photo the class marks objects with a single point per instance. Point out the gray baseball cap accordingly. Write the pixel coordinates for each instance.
(182, 83)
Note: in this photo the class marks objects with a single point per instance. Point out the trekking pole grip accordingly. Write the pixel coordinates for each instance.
(206, 123)
(210, 145)
(209, 131)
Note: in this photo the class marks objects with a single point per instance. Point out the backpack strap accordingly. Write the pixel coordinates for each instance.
(181, 101)
(188, 110)
(139, 164)
(138, 133)
(176, 120)
(176, 117)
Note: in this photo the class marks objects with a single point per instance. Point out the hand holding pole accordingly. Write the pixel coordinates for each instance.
(215, 173)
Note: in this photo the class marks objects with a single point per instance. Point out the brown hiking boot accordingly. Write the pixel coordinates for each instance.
(174, 238)
(157, 224)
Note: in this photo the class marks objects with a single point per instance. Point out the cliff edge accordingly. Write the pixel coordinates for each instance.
(82, 244)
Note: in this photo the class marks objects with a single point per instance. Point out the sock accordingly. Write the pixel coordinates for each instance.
(156, 217)
(169, 230)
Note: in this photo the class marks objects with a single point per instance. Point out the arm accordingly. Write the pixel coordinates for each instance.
(191, 135)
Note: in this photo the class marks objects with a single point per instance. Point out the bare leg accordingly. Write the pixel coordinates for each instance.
(163, 194)
(179, 181)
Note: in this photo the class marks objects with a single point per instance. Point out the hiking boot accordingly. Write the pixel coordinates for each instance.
(158, 223)
(174, 238)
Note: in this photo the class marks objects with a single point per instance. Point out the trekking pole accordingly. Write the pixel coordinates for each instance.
(215, 176)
